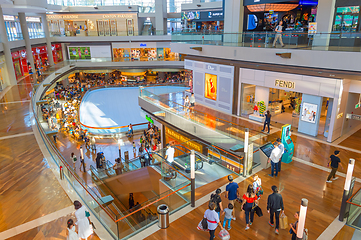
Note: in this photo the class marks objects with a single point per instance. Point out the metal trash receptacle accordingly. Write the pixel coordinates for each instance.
(163, 216)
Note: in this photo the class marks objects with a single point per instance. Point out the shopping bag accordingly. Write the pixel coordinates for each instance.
(203, 225)
(224, 234)
(283, 221)
(258, 211)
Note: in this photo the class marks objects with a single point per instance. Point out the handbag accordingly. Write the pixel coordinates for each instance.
(258, 211)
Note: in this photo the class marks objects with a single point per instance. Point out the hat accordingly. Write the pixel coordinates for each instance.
(230, 178)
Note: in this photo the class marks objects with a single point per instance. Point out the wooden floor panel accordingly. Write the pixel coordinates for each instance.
(295, 182)
(55, 230)
(346, 233)
(353, 141)
(28, 188)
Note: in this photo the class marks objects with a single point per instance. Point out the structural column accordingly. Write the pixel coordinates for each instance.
(47, 37)
(233, 20)
(8, 59)
(324, 20)
(160, 17)
(24, 30)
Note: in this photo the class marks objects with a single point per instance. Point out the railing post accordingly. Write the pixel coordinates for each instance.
(346, 189)
(302, 219)
(82, 158)
(120, 151)
(193, 179)
(61, 173)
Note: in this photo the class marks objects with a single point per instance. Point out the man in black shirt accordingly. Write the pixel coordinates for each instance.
(274, 207)
(334, 162)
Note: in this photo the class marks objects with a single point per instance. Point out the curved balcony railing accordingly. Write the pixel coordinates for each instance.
(119, 223)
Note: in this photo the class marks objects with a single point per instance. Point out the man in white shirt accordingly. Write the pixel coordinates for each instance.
(275, 158)
(282, 148)
(278, 36)
(169, 154)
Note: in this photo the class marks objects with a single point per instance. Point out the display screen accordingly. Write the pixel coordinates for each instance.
(267, 149)
(190, 15)
(210, 86)
(79, 53)
(309, 112)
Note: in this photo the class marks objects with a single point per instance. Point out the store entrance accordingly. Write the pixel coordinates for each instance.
(285, 109)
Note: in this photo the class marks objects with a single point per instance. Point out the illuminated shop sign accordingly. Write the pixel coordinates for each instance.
(105, 16)
(285, 84)
(183, 140)
(149, 119)
(143, 45)
(212, 15)
(33, 19)
(9, 18)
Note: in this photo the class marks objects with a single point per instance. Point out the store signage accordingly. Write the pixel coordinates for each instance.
(56, 16)
(211, 16)
(183, 140)
(353, 117)
(285, 84)
(149, 119)
(9, 18)
(215, 14)
(32, 19)
(116, 16)
(23, 54)
(209, 67)
(143, 45)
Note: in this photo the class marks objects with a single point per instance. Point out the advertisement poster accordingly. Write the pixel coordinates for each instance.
(210, 86)
(190, 15)
(79, 53)
(309, 112)
(312, 28)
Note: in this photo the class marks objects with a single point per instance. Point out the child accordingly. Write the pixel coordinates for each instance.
(257, 186)
(228, 215)
(72, 235)
(134, 148)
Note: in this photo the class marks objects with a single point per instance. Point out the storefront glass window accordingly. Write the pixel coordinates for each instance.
(174, 6)
(248, 99)
(174, 25)
(35, 30)
(346, 19)
(13, 30)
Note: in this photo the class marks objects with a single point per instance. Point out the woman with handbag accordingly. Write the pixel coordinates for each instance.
(212, 219)
(83, 221)
(248, 203)
(293, 227)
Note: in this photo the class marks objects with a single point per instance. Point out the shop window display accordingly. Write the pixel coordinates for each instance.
(248, 99)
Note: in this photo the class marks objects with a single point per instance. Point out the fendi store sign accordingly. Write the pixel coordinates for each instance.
(285, 84)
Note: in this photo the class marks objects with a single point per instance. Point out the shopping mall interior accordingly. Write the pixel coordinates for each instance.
(121, 119)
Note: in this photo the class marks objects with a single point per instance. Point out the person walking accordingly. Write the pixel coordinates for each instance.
(232, 191)
(274, 207)
(334, 162)
(249, 199)
(278, 30)
(186, 103)
(192, 101)
(131, 201)
(98, 160)
(83, 221)
(267, 121)
(228, 216)
(169, 154)
(274, 158)
(212, 219)
(72, 234)
(282, 148)
(293, 227)
(73, 159)
(216, 198)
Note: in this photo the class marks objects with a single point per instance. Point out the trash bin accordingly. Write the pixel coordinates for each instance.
(163, 216)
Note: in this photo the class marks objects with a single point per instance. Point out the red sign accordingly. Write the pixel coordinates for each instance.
(15, 54)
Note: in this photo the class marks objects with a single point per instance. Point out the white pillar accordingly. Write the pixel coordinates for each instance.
(233, 20)
(24, 30)
(11, 79)
(262, 94)
(47, 36)
(324, 20)
(160, 17)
